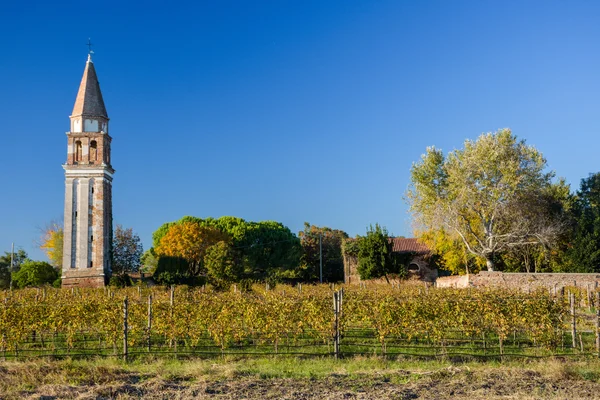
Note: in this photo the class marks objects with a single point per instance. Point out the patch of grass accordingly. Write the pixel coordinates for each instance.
(356, 373)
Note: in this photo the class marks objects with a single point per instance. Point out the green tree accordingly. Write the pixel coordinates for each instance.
(485, 194)
(222, 266)
(149, 261)
(19, 257)
(331, 243)
(34, 273)
(584, 253)
(126, 252)
(375, 254)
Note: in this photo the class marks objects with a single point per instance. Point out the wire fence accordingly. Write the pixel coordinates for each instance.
(577, 335)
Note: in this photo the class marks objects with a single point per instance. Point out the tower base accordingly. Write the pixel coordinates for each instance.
(83, 279)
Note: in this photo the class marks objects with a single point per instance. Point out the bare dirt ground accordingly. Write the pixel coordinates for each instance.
(453, 382)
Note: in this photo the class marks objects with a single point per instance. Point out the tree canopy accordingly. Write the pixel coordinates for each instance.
(492, 194)
(35, 273)
(127, 251)
(263, 249)
(331, 243)
(584, 253)
(375, 257)
(19, 258)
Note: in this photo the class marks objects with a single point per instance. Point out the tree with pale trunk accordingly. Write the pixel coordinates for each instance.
(492, 194)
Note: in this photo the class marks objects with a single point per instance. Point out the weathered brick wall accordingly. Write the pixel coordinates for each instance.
(457, 281)
(522, 281)
(425, 273)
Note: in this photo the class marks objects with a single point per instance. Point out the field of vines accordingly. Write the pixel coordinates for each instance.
(301, 320)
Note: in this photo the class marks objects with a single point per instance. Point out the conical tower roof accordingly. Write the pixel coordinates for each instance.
(89, 102)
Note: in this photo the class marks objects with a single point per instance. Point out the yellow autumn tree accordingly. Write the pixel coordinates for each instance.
(452, 255)
(52, 243)
(190, 241)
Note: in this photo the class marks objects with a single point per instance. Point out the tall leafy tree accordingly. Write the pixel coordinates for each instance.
(222, 265)
(375, 253)
(584, 254)
(126, 252)
(18, 258)
(485, 194)
(312, 239)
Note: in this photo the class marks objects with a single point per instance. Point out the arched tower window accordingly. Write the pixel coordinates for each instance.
(78, 151)
(93, 151)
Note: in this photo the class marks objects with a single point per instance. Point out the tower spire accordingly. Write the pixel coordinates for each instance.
(89, 101)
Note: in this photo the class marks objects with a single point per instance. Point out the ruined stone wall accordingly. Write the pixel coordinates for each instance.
(521, 281)
(424, 273)
(351, 269)
(456, 281)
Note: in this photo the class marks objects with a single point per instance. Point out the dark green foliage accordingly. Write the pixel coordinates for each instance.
(171, 270)
(222, 266)
(57, 283)
(34, 273)
(399, 263)
(584, 254)
(120, 281)
(19, 257)
(374, 255)
(351, 247)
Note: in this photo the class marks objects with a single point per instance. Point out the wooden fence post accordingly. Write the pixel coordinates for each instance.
(598, 323)
(172, 303)
(573, 320)
(149, 322)
(125, 349)
(336, 334)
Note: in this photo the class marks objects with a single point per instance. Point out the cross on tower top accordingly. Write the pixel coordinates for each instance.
(89, 45)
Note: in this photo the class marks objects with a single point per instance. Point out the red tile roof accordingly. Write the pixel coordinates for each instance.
(405, 245)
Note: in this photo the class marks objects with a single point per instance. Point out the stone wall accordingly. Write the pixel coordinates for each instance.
(522, 281)
(456, 281)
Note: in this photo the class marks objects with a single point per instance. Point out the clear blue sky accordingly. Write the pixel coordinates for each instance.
(286, 110)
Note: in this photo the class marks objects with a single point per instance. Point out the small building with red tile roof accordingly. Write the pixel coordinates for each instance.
(418, 264)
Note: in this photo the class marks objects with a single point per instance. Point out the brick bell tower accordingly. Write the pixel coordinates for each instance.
(88, 189)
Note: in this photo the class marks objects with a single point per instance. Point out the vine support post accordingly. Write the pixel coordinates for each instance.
(598, 324)
(336, 345)
(337, 311)
(149, 322)
(573, 321)
(172, 303)
(125, 311)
